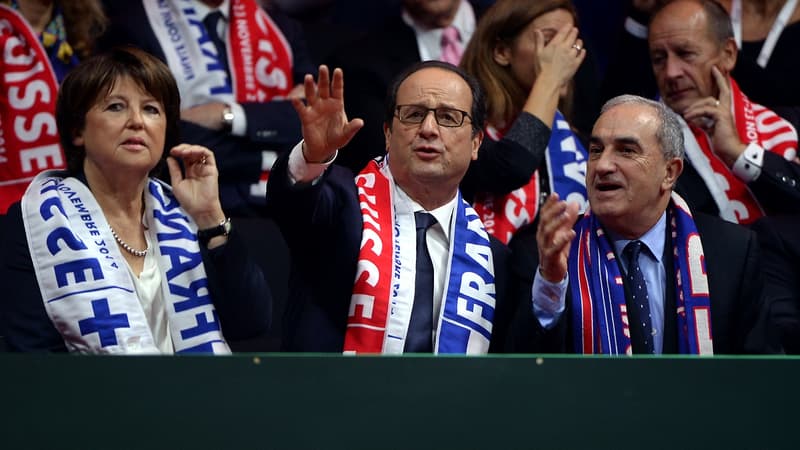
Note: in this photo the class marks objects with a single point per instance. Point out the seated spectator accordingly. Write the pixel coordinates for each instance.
(103, 258)
(235, 65)
(524, 54)
(445, 294)
(780, 245)
(639, 273)
(58, 32)
(766, 33)
(740, 155)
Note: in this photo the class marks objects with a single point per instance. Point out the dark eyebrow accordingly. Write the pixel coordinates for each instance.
(626, 140)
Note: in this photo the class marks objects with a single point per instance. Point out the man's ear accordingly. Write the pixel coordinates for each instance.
(729, 53)
(673, 171)
(476, 144)
(387, 134)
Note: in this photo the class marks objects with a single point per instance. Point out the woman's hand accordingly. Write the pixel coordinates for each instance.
(561, 57)
(196, 188)
(556, 63)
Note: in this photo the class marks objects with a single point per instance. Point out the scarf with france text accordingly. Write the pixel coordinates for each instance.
(29, 141)
(755, 124)
(86, 285)
(599, 318)
(565, 159)
(383, 293)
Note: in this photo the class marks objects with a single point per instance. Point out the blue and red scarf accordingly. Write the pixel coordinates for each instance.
(600, 320)
(383, 292)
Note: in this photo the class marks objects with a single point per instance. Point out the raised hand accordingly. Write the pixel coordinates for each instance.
(556, 64)
(196, 188)
(324, 122)
(554, 237)
(561, 57)
(715, 116)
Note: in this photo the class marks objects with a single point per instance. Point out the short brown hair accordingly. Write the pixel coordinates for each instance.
(94, 79)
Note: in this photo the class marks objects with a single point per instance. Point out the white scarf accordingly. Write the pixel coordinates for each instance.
(84, 281)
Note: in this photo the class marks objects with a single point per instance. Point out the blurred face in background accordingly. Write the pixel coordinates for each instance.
(432, 13)
(521, 56)
(683, 51)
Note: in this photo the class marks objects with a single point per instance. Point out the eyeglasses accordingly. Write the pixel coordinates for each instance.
(416, 114)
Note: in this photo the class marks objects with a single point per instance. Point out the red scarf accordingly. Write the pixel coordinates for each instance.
(503, 215)
(29, 141)
(755, 124)
(260, 57)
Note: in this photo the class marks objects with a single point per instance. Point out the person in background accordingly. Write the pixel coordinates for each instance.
(236, 65)
(766, 34)
(640, 272)
(42, 41)
(104, 258)
(524, 54)
(740, 155)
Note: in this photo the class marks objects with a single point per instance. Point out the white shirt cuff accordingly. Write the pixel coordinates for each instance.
(301, 171)
(239, 127)
(549, 299)
(748, 165)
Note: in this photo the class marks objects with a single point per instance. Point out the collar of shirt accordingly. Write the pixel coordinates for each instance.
(653, 239)
(429, 39)
(443, 214)
(202, 9)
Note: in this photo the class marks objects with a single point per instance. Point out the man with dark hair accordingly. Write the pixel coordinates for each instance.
(639, 272)
(394, 261)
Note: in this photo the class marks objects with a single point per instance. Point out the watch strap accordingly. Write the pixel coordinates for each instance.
(206, 234)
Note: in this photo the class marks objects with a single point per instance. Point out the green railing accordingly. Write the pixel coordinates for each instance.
(330, 402)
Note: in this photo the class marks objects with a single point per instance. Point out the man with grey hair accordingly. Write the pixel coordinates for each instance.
(638, 273)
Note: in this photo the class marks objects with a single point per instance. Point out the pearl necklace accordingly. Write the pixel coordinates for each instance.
(128, 248)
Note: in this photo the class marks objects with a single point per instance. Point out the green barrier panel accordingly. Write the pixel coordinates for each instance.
(330, 402)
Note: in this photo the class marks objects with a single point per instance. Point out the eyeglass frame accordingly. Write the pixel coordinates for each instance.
(464, 115)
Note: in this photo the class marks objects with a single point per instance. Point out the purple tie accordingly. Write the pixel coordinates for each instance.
(451, 46)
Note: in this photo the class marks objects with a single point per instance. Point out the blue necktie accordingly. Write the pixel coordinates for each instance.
(211, 22)
(638, 289)
(419, 338)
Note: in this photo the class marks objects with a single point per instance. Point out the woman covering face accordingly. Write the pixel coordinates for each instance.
(525, 53)
(107, 259)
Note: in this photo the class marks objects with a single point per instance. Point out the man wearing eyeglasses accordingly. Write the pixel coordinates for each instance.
(393, 261)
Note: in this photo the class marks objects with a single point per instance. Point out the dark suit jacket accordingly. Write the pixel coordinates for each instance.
(780, 244)
(738, 311)
(322, 225)
(241, 295)
(271, 125)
